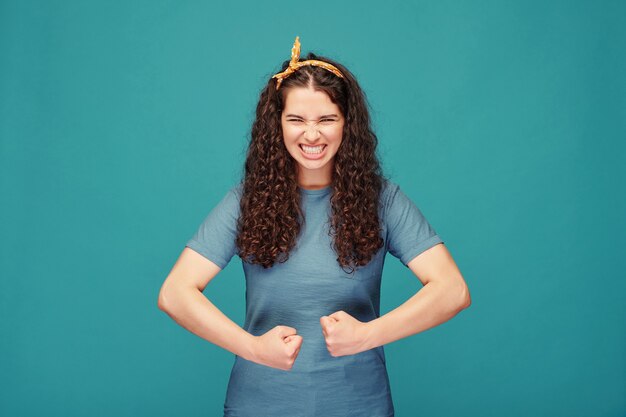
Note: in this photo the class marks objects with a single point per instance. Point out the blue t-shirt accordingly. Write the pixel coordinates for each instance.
(297, 293)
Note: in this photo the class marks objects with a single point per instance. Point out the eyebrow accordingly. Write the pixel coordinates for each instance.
(326, 115)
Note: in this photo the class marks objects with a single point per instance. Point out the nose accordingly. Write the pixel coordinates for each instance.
(311, 132)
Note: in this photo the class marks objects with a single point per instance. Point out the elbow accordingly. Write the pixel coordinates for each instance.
(465, 298)
(457, 295)
(161, 303)
(162, 300)
(170, 296)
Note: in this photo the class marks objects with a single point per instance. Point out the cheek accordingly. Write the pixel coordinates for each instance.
(338, 134)
(288, 137)
(290, 133)
(337, 137)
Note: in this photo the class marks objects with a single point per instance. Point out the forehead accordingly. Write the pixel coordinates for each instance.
(309, 103)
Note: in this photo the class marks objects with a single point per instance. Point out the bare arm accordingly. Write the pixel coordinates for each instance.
(182, 299)
(443, 296)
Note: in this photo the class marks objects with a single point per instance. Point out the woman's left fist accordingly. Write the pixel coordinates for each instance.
(344, 334)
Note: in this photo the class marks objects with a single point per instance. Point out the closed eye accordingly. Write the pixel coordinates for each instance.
(300, 120)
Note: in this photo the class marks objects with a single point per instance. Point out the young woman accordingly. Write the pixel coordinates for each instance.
(312, 221)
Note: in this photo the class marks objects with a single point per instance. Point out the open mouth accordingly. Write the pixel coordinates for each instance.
(312, 150)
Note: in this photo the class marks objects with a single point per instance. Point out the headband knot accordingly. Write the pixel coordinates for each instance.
(295, 64)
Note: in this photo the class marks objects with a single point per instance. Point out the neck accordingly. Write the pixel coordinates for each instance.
(315, 179)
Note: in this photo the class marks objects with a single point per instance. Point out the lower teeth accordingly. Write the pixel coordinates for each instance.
(312, 152)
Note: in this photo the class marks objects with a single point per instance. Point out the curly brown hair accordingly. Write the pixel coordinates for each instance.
(271, 216)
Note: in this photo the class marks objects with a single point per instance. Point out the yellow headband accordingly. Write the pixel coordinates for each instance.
(294, 64)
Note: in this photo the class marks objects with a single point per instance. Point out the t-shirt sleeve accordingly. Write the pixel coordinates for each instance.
(216, 236)
(408, 231)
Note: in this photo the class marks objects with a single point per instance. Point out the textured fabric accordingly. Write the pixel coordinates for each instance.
(297, 293)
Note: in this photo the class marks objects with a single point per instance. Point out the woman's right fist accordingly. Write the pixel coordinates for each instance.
(277, 348)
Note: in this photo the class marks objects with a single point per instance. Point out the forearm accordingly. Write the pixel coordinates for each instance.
(432, 305)
(193, 311)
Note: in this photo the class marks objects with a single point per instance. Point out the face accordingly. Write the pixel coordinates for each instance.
(312, 130)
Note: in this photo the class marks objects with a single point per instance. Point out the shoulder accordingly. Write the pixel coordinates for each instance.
(230, 201)
(236, 190)
(234, 193)
(388, 191)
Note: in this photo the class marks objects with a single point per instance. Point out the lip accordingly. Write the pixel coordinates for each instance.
(313, 156)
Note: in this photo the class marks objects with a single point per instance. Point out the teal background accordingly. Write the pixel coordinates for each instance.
(123, 123)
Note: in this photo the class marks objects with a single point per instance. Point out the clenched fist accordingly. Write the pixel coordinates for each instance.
(344, 334)
(277, 348)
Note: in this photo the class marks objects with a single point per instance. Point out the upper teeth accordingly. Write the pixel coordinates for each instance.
(313, 149)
